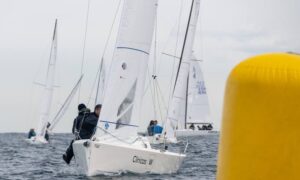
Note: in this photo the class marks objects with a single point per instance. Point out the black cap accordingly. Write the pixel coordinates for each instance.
(81, 106)
(98, 106)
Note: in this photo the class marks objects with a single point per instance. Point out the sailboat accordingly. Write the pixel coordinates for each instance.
(116, 146)
(189, 103)
(197, 121)
(45, 123)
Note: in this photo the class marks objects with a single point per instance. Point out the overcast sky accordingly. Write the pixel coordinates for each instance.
(228, 32)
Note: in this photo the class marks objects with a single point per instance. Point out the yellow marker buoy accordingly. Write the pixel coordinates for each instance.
(260, 135)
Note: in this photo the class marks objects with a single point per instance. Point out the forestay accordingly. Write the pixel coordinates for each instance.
(101, 84)
(65, 106)
(177, 109)
(198, 106)
(125, 86)
(49, 87)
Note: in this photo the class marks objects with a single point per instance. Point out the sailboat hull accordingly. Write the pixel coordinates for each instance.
(159, 139)
(191, 133)
(36, 140)
(97, 158)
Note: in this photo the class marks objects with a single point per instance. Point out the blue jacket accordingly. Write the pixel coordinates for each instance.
(157, 129)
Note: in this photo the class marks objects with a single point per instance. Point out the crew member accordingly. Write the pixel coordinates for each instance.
(31, 133)
(192, 126)
(47, 133)
(84, 127)
(150, 128)
(157, 129)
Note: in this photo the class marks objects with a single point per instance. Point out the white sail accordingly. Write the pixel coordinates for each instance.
(121, 107)
(101, 85)
(65, 106)
(129, 66)
(198, 106)
(49, 87)
(177, 109)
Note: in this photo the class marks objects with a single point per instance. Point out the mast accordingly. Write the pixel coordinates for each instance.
(49, 87)
(177, 111)
(186, 102)
(184, 42)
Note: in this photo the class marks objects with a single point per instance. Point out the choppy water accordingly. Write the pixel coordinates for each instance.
(19, 160)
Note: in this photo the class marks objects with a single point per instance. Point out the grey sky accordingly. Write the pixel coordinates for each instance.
(228, 32)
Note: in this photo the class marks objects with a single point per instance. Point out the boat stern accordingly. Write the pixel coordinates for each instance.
(82, 154)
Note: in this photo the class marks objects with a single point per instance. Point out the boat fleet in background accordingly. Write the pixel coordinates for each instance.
(116, 140)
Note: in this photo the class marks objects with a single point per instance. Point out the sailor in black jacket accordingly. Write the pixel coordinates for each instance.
(84, 127)
(88, 126)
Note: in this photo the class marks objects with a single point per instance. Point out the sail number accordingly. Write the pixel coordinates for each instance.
(201, 87)
(139, 160)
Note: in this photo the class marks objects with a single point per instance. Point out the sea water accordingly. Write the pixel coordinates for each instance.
(20, 160)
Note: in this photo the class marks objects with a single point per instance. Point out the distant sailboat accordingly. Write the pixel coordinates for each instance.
(116, 147)
(45, 123)
(197, 120)
(189, 103)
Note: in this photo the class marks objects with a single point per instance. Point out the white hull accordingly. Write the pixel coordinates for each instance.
(36, 140)
(159, 139)
(191, 133)
(115, 157)
(156, 139)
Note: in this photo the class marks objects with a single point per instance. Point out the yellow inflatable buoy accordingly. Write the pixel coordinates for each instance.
(260, 134)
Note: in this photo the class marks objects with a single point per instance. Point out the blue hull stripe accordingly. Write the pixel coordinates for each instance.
(133, 49)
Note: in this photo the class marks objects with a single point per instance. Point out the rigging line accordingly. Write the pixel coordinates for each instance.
(158, 100)
(162, 97)
(84, 45)
(152, 94)
(154, 69)
(183, 46)
(186, 101)
(93, 86)
(175, 52)
(119, 139)
(107, 41)
(148, 84)
(99, 79)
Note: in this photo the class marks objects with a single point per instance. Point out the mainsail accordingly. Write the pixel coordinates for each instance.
(125, 87)
(49, 87)
(177, 111)
(65, 106)
(198, 106)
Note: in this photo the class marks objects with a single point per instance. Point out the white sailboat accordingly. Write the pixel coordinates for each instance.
(189, 103)
(116, 147)
(197, 121)
(47, 94)
(45, 123)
